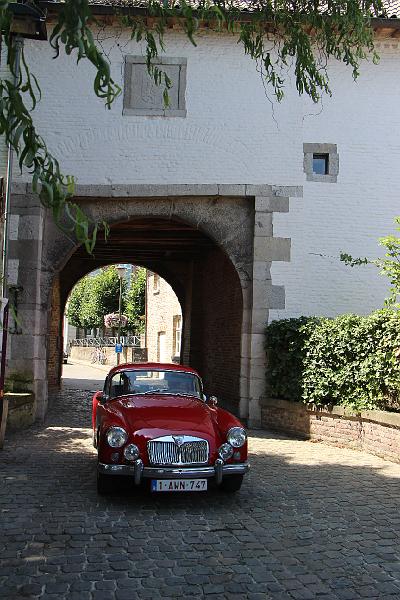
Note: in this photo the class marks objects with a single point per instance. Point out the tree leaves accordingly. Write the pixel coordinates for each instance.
(95, 296)
(276, 34)
(135, 300)
(389, 265)
(72, 30)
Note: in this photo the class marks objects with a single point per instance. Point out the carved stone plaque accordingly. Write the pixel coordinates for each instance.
(143, 97)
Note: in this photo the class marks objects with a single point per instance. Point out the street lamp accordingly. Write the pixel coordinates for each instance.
(121, 270)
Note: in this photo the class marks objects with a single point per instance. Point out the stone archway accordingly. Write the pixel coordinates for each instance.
(203, 278)
(236, 218)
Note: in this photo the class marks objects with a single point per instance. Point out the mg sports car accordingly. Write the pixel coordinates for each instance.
(152, 422)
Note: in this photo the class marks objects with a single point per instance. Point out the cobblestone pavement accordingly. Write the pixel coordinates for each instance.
(311, 521)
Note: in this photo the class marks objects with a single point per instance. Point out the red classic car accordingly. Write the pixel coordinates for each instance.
(153, 422)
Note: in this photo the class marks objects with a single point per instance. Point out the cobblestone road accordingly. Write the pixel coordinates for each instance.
(311, 521)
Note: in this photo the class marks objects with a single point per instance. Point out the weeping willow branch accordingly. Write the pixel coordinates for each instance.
(55, 190)
(305, 33)
(73, 31)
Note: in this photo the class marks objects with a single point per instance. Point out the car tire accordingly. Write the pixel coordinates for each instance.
(105, 484)
(231, 483)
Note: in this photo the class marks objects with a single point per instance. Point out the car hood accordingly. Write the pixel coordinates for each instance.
(162, 414)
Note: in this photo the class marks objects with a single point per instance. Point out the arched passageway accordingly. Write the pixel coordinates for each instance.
(201, 274)
(214, 244)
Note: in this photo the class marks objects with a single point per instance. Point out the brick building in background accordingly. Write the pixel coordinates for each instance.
(163, 321)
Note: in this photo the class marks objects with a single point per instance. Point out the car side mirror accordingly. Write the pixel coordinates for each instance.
(212, 401)
(102, 398)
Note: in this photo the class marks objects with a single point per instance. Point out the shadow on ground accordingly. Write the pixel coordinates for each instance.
(311, 521)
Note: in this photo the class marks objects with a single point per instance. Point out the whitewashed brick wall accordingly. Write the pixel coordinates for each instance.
(233, 134)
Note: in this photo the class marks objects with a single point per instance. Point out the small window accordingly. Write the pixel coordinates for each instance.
(321, 164)
(177, 327)
(156, 283)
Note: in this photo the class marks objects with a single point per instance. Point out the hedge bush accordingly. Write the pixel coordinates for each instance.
(349, 360)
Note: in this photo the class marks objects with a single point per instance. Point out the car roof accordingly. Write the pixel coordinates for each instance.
(152, 366)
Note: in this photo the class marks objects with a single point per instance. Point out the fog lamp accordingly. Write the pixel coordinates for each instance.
(131, 452)
(225, 451)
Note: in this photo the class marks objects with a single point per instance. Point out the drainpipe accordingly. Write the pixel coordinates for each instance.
(18, 45)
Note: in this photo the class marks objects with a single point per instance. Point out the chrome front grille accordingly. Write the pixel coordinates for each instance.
(176, 450)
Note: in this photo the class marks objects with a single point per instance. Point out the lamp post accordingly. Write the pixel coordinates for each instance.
(121, 273)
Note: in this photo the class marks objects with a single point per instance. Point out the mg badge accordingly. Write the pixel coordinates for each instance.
(179, 439)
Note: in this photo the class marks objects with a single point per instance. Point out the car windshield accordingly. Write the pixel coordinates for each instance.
(137, 381)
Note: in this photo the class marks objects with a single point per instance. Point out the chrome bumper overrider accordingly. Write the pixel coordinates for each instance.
(139, 472)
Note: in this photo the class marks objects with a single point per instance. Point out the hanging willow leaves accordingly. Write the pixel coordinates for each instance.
(72, 30)
(277, 34)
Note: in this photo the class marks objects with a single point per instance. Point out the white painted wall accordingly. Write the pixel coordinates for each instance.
(233, 134)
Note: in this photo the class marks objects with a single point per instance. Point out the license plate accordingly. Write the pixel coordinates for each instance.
(178, 485)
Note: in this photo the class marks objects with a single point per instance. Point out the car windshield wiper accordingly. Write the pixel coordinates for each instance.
(156, 391)
(165, 392)
(184, 394)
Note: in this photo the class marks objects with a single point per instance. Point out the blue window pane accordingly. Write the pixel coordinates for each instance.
(321, 164)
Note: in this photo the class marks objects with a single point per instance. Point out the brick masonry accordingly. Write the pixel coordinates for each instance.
(162, 305)
(377, 432)
(217, 309)
(55, 346)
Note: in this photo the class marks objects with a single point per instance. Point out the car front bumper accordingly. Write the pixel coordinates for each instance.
(138, 471)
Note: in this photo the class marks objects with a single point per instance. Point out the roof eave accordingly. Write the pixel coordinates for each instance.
(378, 24)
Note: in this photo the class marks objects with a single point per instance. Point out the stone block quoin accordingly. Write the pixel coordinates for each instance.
(251, 205)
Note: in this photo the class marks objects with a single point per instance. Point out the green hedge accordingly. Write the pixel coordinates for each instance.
(349, 360)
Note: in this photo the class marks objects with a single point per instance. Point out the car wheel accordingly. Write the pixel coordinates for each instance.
(232, 483)
(105, 484)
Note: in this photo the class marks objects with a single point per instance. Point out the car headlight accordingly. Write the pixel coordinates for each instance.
(131, 452)
(237, 437)
(116, 437)
(225, 451)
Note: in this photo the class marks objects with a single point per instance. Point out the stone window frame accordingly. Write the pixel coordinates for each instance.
(156, 283)
(177, 334)
(333, 162)
(128, 110)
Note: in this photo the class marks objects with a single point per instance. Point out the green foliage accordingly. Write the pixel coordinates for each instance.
(98, 295)
(135, 301)
(277, 35)
(54, 189)
(349, 361)
(76, 300)
(73, 31)
(284, 344)
(102, 297)
(389, 265)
